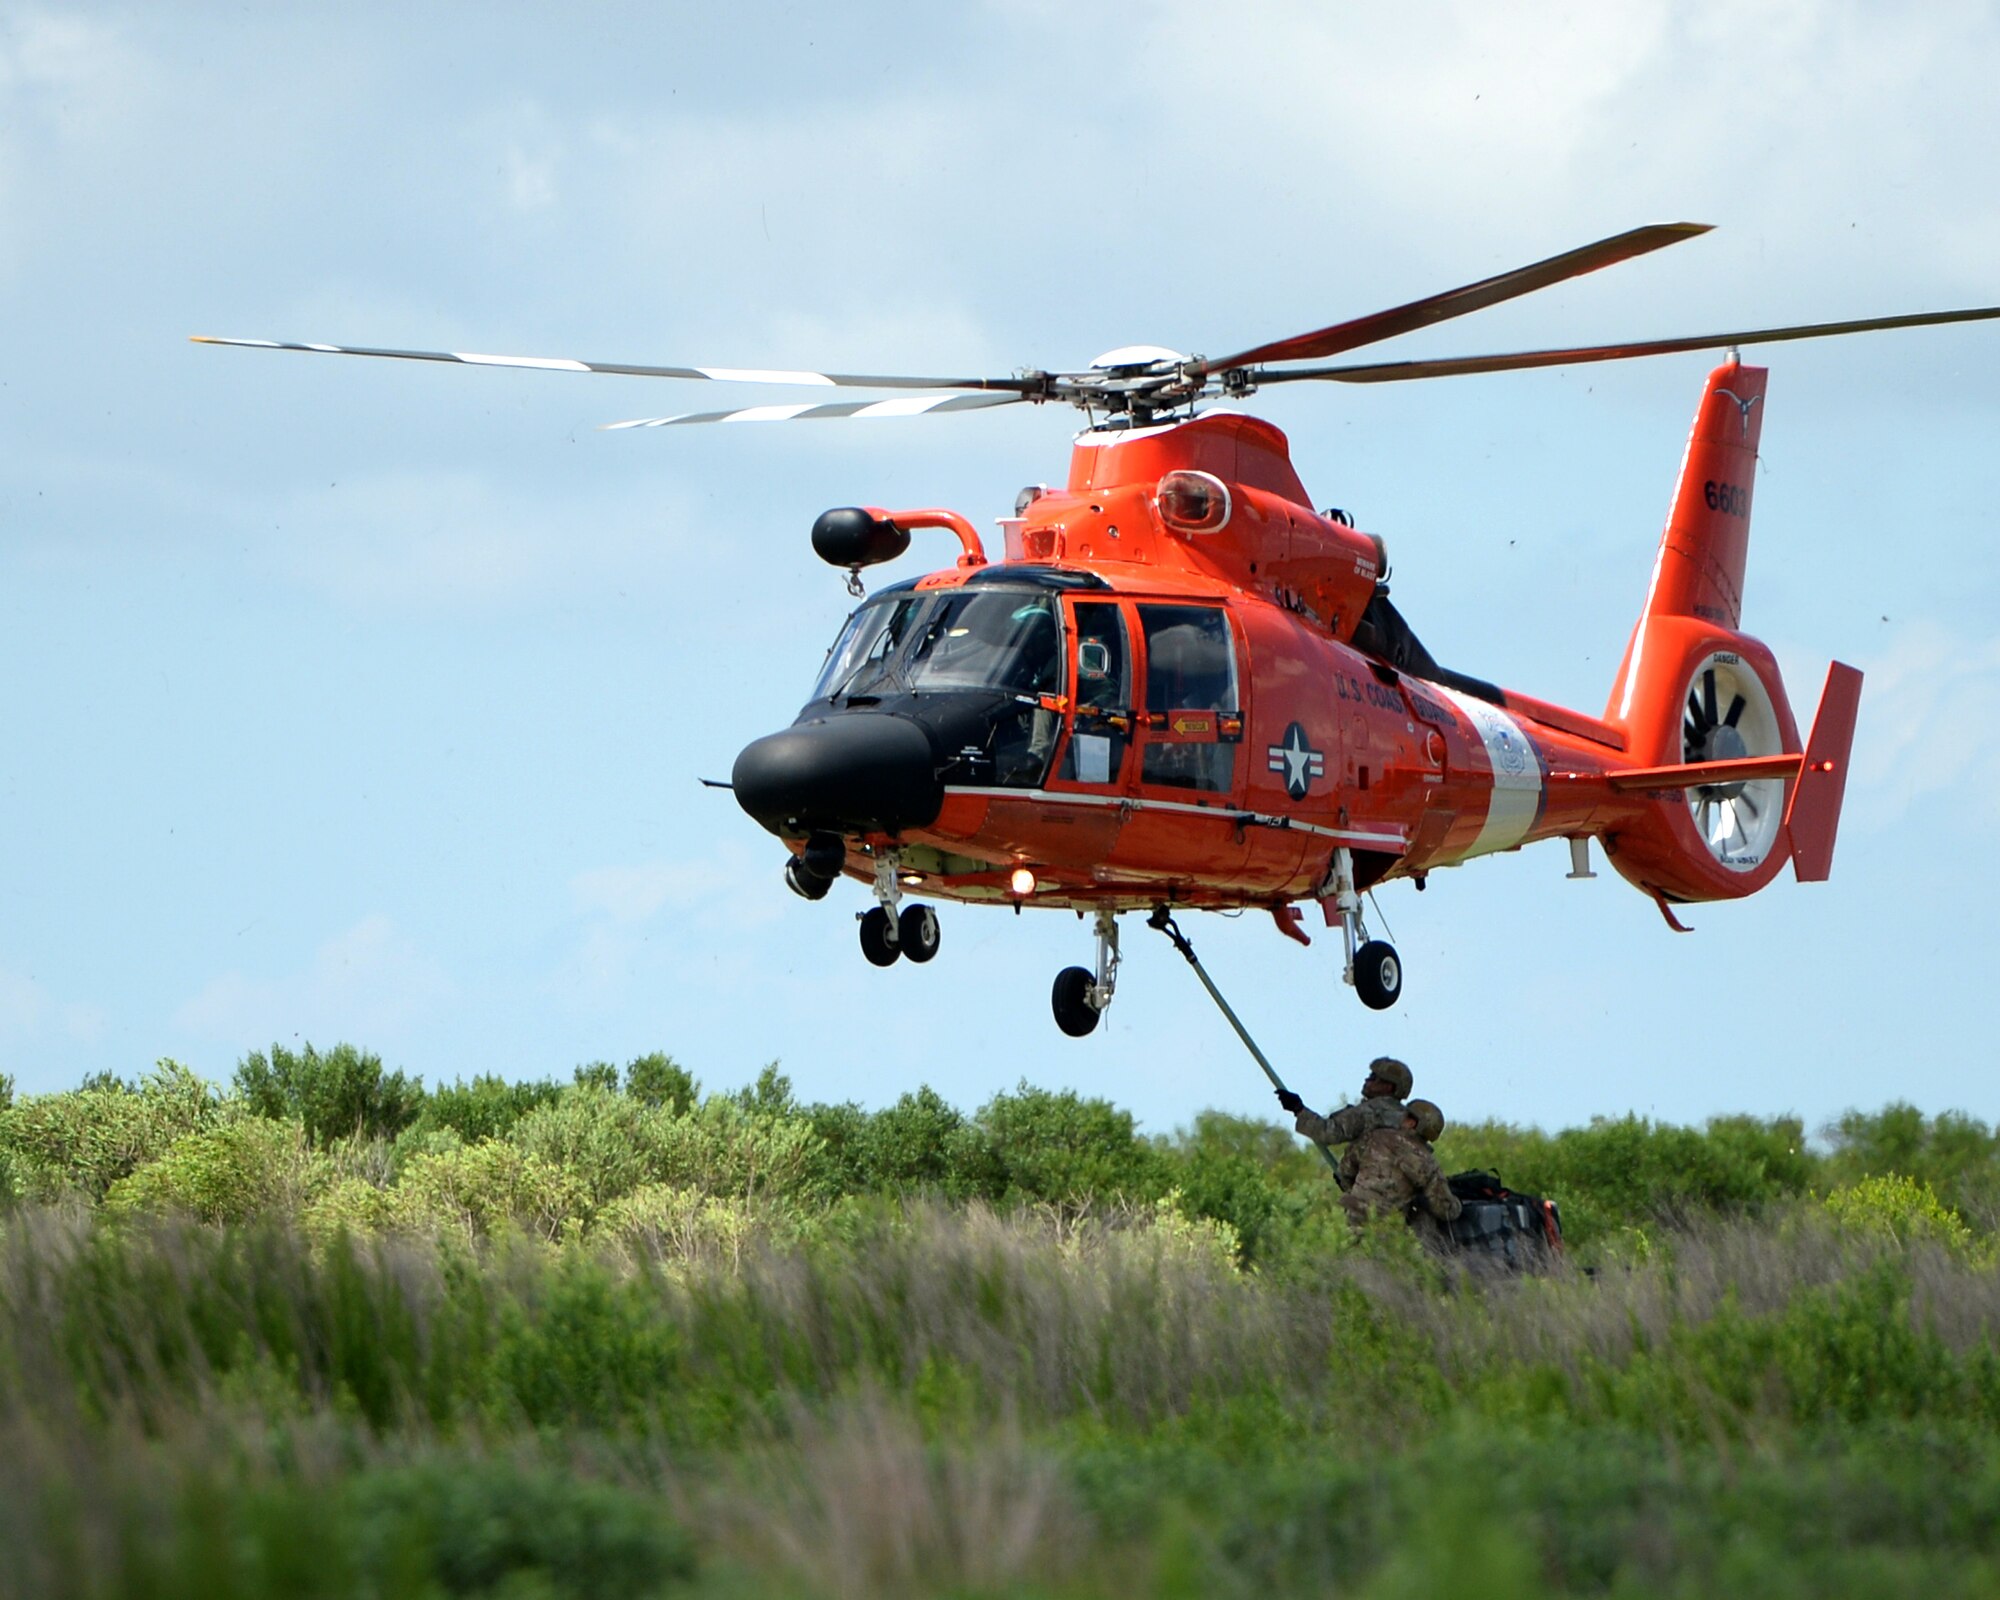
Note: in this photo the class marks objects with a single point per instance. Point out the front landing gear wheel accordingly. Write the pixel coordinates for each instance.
(1070, 1000)
(1378, 975)
(879, 942)
(917, 932)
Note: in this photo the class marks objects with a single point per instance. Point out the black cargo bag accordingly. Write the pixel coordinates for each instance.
(1516, 1232)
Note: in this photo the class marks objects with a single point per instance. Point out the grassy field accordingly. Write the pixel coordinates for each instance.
(324, 1332)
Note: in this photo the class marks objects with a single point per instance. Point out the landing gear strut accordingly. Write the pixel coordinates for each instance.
(1079, 998)
(1373, 966)
(889, 929)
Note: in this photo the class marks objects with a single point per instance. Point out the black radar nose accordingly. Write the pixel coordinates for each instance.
(856, 773)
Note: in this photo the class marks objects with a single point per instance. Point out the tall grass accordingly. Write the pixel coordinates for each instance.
(604, 1340)
(963, 1400)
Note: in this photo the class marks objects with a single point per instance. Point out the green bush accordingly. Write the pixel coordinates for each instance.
(1957, 1156)
(609, 1144)
(769, 1095)
(473, 1526)
(599, 1075)
(1247, 1174)
(353, 1206)
(1900, 1208)
(728, 1148)
(677, 1229)
(342, 1094)
(486, 1108)
(481, 1190)
(604, 1143)
(1058, 1148)
(240, 1168)
(1627, 1172)
(85, 1140)
(661, 1081)
(840, 1165)
(921, 1145)
(591, 1349)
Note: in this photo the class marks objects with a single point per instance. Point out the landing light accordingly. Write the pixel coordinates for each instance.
(1022, 883)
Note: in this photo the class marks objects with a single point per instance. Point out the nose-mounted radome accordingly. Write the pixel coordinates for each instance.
(862, 772)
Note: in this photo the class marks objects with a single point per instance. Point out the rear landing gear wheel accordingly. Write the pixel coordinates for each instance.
(1070, 1000)
(917, 933)
(879, 942)
(1378, 974)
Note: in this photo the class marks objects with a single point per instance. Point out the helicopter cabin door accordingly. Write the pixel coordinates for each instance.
(1188, 737)
(1101, 723)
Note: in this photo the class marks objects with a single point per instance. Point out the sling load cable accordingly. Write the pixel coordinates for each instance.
(1164, 921)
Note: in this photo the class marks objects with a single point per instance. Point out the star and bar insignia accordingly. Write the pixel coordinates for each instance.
(1297, 760)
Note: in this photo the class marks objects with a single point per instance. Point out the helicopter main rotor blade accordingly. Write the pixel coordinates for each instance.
(1381, 325)
(1459, 366)
(805, 411)
(626, 369)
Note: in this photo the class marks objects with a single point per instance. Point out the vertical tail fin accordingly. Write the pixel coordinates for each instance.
(1699, 570)
(1708, 532)
(1694, 689)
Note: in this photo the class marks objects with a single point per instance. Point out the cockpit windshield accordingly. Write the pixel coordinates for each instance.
(985, 638)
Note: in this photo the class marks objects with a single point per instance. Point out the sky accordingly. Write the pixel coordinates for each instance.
(368, 701)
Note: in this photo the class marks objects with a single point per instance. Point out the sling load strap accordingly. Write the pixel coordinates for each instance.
(1162, 920)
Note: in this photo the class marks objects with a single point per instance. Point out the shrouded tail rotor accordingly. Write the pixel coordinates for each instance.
(1729, 715)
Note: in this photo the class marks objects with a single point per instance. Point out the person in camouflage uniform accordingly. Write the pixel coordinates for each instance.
(1380, 1106)
(1392, 1172)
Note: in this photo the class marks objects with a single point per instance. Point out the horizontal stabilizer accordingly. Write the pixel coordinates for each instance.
(1685, 775)
(1814, 817)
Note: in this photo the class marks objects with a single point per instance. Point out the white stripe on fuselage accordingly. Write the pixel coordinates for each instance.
(1516, 798)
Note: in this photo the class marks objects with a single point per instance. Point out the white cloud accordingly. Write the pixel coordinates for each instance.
(635, 893)
(1481, 126)
(65, 72)
(531, 178)
(29, 1011)
(364, 982)
(724, 893)
(706, 886)
(1928, 706)
(525, 151)
(394, 540)
(64, 80)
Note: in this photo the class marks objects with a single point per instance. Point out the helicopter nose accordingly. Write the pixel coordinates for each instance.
(855, 773)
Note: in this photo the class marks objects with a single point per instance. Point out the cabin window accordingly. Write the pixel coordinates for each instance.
(1191, 694)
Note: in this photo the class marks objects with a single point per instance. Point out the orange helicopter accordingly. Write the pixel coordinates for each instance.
(1182, 686)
